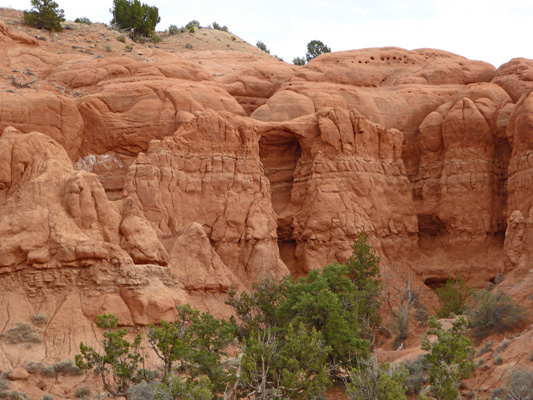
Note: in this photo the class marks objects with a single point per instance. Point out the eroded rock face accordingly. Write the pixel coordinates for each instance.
(8, 36)
(83, 74)
(147, 183)
(59, 119)
(338, 174)
(254, 82)
(515, 77)
(70, 253)
(391, 66)
(35, 172)
(518, 247)
(126, 117)
(460, 188)
(209, 172)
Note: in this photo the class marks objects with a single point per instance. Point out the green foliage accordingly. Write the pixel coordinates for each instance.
(293, 334)
(3, 388)
(173, 30)
(498, 361)
(66, 367)
(39, 319)
(335, 302)
(519, 385)
(22, 333)
(261, 46)
(189, 348)
(401, 298)
(119, 364)
(83, 20)
(304, 371)
(416, 375)
(185, 389)
(290, 365)
(453, 297)
(372, 381)
(257, 311)
(155, 38)
(401, 325)
(45, 14)
(298, 61)
(141, 391)
(421, 313)
(327, 301)
(121, 38)
(139, 19)
(16, 395)
(47, 397)
(220, 28)
(315, 48)
(193, 24)
(196, 342)
(449, 358)
(485, 349)
(503, 345)
(363, 270)
(82, 392)
(494, 313)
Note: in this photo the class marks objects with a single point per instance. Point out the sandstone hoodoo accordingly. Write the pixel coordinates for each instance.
(133, 180)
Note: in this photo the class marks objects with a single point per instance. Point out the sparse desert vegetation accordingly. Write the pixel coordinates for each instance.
(188, 167)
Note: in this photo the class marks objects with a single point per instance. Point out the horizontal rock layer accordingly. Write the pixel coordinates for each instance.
(131, 185)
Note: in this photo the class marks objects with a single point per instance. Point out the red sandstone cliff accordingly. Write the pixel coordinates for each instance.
(131, 183)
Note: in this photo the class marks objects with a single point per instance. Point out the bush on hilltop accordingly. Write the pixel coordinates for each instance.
(45, 14)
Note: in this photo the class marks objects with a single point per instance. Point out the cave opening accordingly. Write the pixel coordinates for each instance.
(430, 225)
(279, 153)
(430, 228)
(435, 282)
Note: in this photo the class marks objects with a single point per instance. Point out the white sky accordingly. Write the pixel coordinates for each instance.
(490, 30)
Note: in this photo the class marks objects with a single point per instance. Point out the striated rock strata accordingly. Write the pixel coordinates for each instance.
(131, 184)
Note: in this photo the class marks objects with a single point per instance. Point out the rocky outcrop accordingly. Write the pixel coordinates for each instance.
(8, 36)
(460, 187)
(518, 246)
(133, 184)
(125, 118)
(392, 66)
(90, 75)
(515, 77)
(338, 174)
(37, 213)
(59, 119)
(209, 172)
(253, 83)
(69, 253)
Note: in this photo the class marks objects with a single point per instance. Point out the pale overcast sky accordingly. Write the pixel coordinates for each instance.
(490, 30)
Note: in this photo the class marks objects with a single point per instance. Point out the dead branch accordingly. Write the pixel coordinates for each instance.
(20, 82)
(400, 299)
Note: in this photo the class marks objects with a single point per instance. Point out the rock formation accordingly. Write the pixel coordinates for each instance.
(130, 184)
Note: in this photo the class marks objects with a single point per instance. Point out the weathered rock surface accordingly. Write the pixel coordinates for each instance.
(133, 183)
(460, 187)
(518, 248)
(59, 119)
(8, 36)
(338, 174)
(515, 77)
(209, 172)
